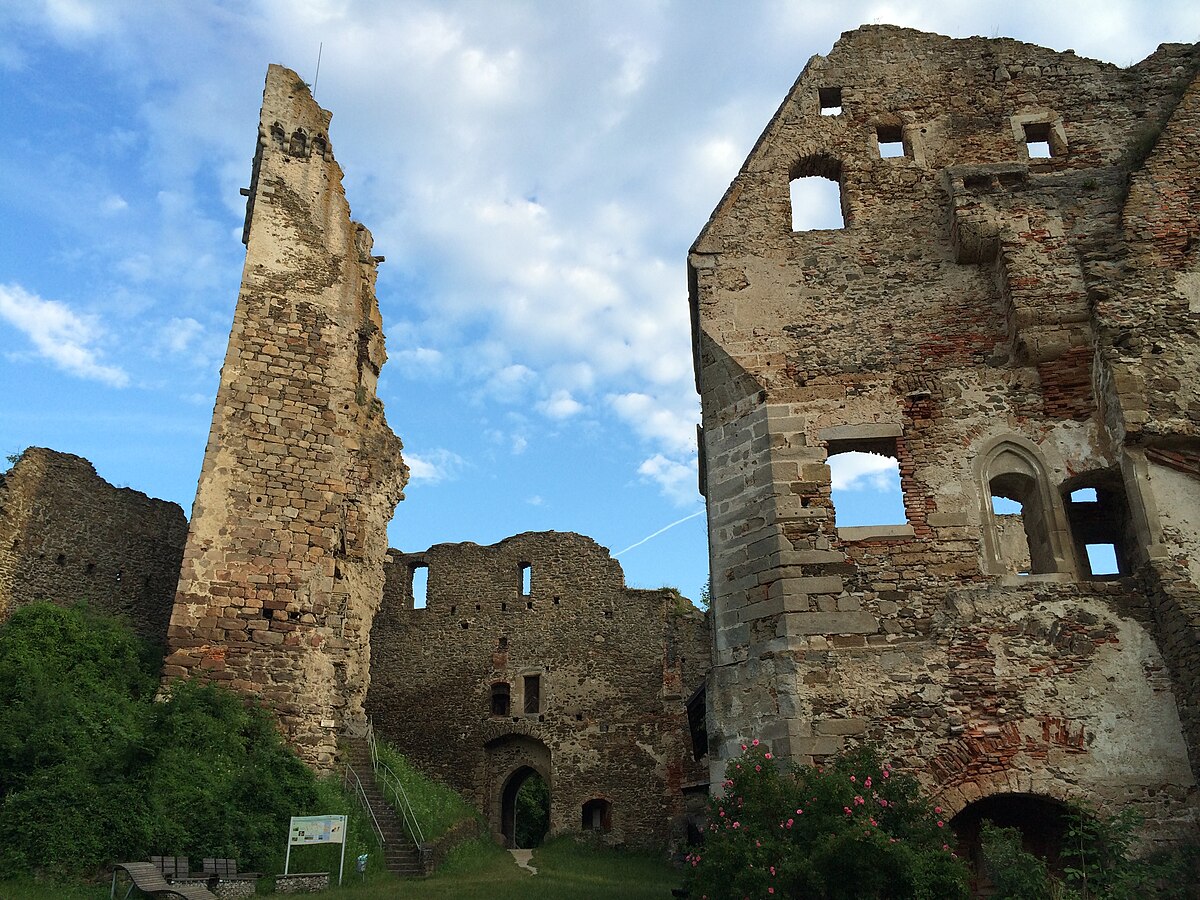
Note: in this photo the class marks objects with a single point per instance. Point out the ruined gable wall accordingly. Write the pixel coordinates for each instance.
(615, 668)
(67, 535)
(283, 569)
(948, 321)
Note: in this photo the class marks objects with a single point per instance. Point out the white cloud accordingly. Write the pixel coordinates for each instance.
(856, 471)
(653, 419)
(434, 466)
(59, 334)
(560, 405)
(419, 362)
(177, 334)
(676, 480)
(113, 203)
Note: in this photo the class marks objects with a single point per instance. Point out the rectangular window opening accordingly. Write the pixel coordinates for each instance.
(1037, 140)
(1102, 559)
(533, 694)
(419, 582)
(1084, 495)
(830, 99)
(865, 482)
(1012, 542)
(500, 699)
(816, 203)
(891, 141)
(526, 579)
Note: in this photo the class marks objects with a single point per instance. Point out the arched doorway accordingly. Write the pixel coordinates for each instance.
(1042, 822)
(525, 808)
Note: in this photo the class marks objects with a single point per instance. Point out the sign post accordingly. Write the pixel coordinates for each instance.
(307, 830)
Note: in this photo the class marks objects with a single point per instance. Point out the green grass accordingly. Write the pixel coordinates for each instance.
(478, 870)
(437, 807)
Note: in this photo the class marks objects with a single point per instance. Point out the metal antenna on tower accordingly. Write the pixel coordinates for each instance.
(320, 47)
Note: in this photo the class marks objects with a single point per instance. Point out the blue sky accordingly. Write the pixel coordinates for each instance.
(534, 174)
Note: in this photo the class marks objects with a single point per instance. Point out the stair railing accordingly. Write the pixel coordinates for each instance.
(353, 783)
(387, 782)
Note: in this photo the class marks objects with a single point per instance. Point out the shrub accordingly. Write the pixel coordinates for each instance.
(1098, 863)
(94, 771)
(851, 829)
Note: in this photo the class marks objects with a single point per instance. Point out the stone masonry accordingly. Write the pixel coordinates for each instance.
(1003, 325)
(283, 569)
(68, 535)
(580, 679)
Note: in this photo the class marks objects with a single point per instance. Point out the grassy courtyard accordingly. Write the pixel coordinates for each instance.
(476, 871)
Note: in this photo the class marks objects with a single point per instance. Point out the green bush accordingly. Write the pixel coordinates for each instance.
(850, 829)
(94, 771)
(1098, 863)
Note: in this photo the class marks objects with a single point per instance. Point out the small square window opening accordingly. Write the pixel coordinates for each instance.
(830, 99)
(1037, 140)
(891, 141)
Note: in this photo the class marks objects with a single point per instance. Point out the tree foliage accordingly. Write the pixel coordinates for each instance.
(93, 770)
(851, 829)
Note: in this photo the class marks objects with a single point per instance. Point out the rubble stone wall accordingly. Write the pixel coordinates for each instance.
(283, 569)
(67, 535)
(614, 666)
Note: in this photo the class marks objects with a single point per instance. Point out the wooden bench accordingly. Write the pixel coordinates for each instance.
(149, 879)
(227, 870)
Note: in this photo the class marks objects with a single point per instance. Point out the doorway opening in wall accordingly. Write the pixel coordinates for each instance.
(419, 582)
(526, 809)
(866, 486)
(1041, 821)
(815, 194)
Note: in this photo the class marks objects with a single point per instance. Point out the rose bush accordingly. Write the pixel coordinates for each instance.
(850, 829)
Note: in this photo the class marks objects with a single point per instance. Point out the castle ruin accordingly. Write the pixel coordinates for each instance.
(1010, 311)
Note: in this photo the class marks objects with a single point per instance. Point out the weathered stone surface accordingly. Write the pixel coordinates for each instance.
(615, 668)
(301, 473)
(1001, 324)
(67, 535)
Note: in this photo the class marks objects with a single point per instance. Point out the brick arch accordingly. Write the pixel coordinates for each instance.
(954, 798)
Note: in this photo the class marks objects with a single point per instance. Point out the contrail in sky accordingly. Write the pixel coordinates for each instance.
(657, 533)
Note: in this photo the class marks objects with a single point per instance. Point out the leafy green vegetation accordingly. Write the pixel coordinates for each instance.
(437, 807)
(1098, 863)
(849, 829)
(533, 812)
(94, 771)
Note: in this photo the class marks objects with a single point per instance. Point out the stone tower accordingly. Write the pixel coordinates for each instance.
(1011, 310)
(283, 569)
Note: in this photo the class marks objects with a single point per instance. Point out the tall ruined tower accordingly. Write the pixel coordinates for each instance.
(283, 569)
(1010, 311)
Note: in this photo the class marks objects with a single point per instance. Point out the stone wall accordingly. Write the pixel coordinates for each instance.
(1001, 324)
(614, 669)
(68, 535)
(283, 569)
